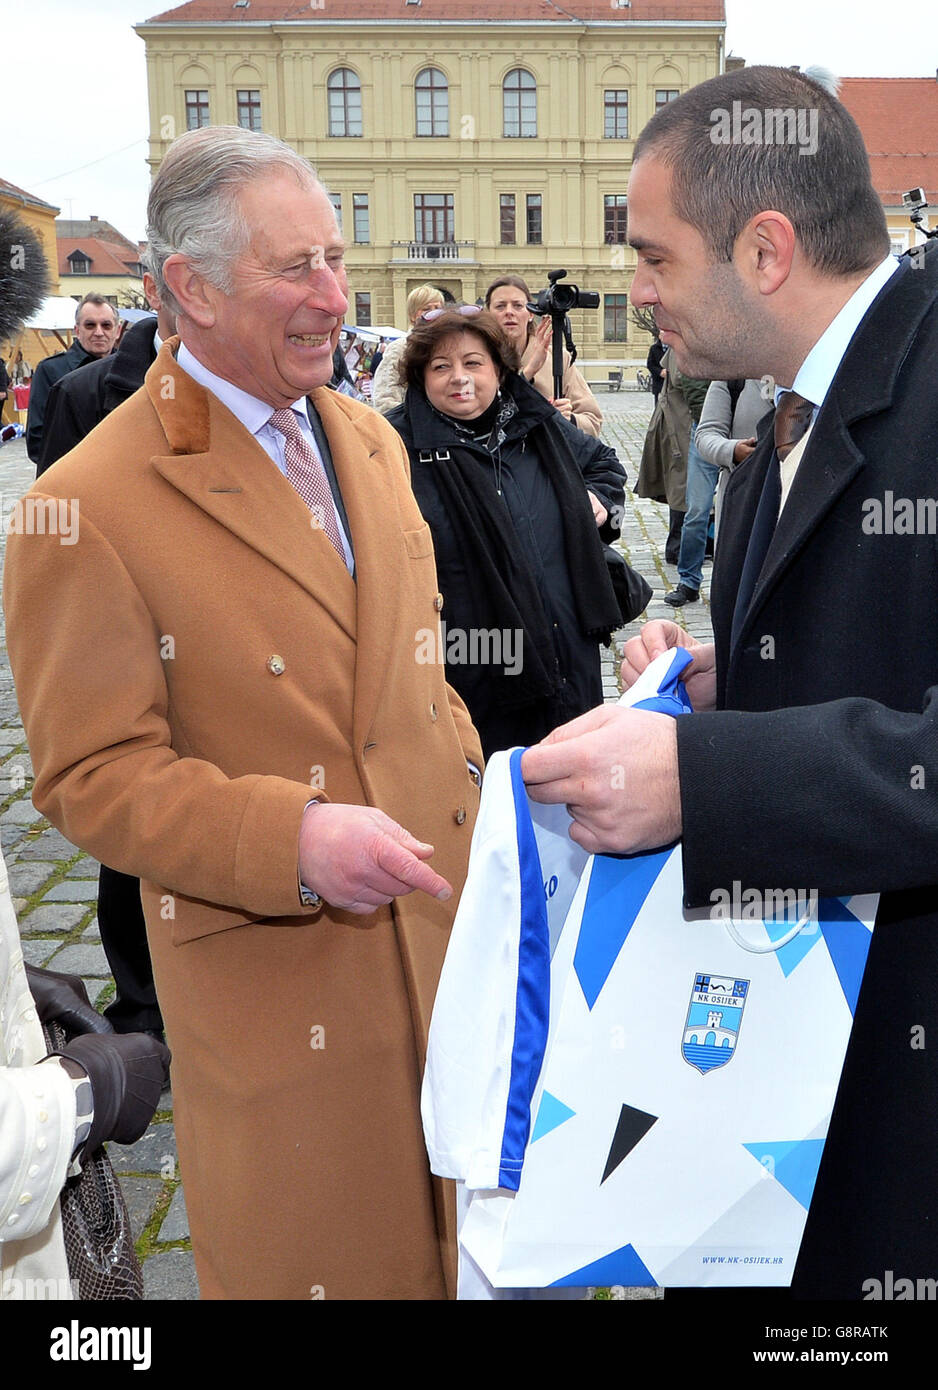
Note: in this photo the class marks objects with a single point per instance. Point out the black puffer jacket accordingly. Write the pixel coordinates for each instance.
(561, 667)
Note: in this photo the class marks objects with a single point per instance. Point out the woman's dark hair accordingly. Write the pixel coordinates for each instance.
(515, 281)
(424, 339)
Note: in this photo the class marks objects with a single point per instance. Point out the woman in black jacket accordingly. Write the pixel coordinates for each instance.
(516, 499)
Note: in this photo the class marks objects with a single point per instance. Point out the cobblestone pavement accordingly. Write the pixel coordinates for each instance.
(54, 885)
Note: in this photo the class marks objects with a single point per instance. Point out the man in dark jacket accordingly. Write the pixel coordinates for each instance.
(96, 331)
(814, 757)
(76, 404)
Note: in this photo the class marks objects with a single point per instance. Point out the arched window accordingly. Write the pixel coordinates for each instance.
(431, 96)
(519, 100)
(345, 102)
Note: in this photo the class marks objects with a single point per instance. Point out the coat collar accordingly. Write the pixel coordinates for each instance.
(222, 469)
(865, 385)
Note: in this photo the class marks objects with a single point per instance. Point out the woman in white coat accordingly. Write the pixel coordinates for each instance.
(49, 1112)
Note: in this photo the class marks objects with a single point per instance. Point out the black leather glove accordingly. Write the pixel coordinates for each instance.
(126, 1071)
(63, 999)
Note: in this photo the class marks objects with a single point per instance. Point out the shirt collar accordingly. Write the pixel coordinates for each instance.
(252, 412)
(819, 368)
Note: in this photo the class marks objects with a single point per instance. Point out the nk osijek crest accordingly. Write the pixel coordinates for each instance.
(714, 1016)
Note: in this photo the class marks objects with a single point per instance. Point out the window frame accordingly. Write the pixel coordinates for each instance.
(516, 92)
(348, 116)
(432, 89)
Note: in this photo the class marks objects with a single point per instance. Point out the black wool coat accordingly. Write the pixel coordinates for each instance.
(819, 769)
(80, 400)
(535, 515)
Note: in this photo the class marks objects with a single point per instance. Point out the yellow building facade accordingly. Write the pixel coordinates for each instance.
(456, 149)
(40, 216)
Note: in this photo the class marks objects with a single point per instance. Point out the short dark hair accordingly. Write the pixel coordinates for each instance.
(96, 299)
(514, 280)
(718, 186)
(425, 338)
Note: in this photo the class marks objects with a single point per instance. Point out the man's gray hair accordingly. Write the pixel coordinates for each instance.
(193, 205)
(94, 298)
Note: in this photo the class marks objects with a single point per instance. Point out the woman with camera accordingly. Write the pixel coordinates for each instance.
(507, 298)
(517, 501)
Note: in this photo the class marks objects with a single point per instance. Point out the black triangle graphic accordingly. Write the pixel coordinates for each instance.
(632, 1127)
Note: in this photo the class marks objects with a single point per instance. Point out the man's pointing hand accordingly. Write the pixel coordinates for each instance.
(357, 858)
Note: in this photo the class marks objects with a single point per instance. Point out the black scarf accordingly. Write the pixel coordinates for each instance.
(506, 590)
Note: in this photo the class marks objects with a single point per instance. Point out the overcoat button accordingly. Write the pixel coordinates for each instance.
(438, 602)
(276, 665)
(459, 816)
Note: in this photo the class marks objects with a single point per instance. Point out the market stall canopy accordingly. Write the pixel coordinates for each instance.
(373, 334)
(56, 312)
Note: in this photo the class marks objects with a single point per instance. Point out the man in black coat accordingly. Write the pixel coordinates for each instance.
(97, 327)
(814, 759)
(80, 400)
(76, 404)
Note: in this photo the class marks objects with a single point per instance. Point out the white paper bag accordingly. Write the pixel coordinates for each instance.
(631, 1094)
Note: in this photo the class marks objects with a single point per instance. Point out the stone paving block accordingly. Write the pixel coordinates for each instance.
(82, 960)
(26, 878)
(49, 917)
(149, 1154)
(140, 1194)
(11, 838)
(95, 989)
(73, 890)
(92, 932)
(85, 868)
(51, 844)
(170, 1274)
(38, 949)
(176, 1221)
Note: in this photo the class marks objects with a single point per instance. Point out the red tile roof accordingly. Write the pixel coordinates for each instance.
(21, 196)
(899, 120)
(272, 11)
(106, 258)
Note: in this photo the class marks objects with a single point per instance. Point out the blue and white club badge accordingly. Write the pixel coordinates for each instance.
(714, 1016)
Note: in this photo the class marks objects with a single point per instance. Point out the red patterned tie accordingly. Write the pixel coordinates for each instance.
(792, 418)
(306, 473)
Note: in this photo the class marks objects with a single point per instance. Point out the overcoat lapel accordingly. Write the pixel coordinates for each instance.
(830, 463)
(222, 469)
(832, 458)
(365, 471)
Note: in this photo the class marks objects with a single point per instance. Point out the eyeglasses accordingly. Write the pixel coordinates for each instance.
(468, 310)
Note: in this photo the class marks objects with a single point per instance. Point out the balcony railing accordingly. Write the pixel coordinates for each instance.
(434, 250)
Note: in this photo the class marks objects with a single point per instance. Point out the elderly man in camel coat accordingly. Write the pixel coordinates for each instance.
(222, 695)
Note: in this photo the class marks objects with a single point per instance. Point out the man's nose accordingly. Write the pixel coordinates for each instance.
(328, 292)
(642, 292)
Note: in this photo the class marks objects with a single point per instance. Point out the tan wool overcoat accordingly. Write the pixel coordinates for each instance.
(191, 672)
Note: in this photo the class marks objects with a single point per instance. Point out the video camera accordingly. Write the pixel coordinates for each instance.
(557, 301)
(915, 201)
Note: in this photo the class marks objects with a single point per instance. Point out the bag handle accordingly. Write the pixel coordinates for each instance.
(763, 948)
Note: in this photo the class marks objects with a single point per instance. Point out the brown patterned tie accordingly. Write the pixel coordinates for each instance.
(307, 475)
(792, 418)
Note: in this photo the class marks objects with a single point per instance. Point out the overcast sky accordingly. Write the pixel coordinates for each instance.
(75, 102)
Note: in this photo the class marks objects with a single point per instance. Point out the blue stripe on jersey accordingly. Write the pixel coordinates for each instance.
(532, 999)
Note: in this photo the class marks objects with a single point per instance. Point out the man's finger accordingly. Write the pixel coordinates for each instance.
(396, 860)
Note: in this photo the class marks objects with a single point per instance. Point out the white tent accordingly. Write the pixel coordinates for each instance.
(373, 335)
(56, 312)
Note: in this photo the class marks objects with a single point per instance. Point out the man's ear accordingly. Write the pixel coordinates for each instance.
(192, 292)
(765, 250)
